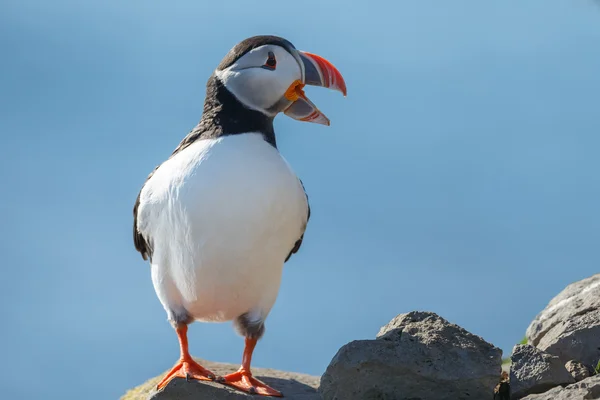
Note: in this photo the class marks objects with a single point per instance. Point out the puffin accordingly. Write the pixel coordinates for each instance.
(219, 218)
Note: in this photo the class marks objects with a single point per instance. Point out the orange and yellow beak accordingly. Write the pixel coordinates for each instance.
(317, 71)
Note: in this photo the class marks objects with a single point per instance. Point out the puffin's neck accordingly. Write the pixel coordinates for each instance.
(225, 115)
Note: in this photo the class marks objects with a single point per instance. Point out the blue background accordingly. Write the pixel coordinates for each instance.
(460, 175)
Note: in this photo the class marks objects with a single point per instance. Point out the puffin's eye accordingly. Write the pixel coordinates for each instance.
(271, 62)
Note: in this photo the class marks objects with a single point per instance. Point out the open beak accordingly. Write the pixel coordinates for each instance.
(317, 72)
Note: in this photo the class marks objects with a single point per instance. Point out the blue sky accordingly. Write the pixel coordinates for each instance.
(460, 175)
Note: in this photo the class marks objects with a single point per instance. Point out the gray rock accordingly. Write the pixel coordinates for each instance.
(577, 370)
(418, 355)
(569, 326)
(587, 389)
(534, 371)
(294, 386)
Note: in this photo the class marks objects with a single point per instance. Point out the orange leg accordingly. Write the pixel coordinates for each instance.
(243, 379)
(186, 367)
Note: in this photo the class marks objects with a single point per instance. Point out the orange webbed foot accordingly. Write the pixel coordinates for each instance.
(188, 369)
(244, 381)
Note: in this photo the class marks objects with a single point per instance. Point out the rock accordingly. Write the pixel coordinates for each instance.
(293, 386)
(587, 389)
(577, 370)
(418, 355)
(569, 326)
(534, 371)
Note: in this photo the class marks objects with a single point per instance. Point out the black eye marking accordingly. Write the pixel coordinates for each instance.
(271, 62)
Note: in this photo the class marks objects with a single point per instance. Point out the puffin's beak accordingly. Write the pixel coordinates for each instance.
(317, 72)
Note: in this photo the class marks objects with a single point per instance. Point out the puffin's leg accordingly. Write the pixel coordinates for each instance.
(186, 367)
(243, 379)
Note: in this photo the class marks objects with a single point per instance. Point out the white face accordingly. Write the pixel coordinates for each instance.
(256, 83)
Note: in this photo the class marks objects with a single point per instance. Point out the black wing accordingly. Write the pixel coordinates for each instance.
(142, 244)
(299, 241)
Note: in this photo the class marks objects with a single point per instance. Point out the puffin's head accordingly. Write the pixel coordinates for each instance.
(267, 74)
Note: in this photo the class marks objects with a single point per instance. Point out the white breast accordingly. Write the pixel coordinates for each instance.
(222, 215)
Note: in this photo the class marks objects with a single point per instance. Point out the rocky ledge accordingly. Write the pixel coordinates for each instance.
(563, 348)
(569, 326)
(587, 389)
(294, 386)
(422, 356)
(418, 355)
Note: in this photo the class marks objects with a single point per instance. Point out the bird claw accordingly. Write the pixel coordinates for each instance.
(187, 369)
(244, 381)
(211, 377)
